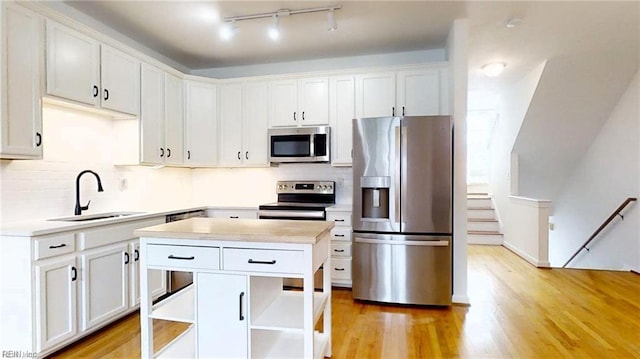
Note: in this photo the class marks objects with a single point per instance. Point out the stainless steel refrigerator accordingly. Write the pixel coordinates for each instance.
(402, 209)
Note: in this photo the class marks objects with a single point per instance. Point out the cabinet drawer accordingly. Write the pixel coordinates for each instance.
(341, 248)
(340, 218)
(233, 213)
(183, 257)
(341, 268)
(341, 233)
(46, 247)
(263, 260)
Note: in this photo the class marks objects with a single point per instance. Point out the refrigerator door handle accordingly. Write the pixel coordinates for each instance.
(406, 243)
(396, 177)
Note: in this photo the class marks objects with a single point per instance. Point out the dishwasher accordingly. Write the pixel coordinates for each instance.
(177, 280)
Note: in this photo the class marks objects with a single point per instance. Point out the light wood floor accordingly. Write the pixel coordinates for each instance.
(517, 311)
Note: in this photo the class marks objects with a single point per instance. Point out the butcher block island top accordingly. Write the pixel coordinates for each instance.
(246, 230)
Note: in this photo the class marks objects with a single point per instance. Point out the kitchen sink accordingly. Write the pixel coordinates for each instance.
(92, 217)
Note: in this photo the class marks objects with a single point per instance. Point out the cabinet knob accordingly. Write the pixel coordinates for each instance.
(239, 155)
(294, 116)
(246, 155)
(168, 152)
(106, 94)
(188, 154)
(38, 139)
(136, 255)
(95, 91)
(74, 274)
(161, 152)
(126, 257)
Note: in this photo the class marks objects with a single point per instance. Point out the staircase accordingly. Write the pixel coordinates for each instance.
(482, 225)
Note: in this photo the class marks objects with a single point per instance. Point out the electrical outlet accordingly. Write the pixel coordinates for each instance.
(551, 226)
(123, 184)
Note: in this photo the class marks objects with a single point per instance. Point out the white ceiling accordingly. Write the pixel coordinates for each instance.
(187, 31)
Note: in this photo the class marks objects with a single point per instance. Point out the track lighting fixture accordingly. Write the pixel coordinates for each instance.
(229, 27)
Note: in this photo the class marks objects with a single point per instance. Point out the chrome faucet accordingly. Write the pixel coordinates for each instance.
(80, 208)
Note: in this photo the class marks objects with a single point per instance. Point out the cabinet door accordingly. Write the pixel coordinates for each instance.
(283, 103)
(313, 101)
(222, 317)
(230, 117)
(73, 64)
(173, 119)
(342, 113)
(105, 284)
(151, 115)
(255, 123)
(56, 313)
(376, 95)
(157, 278)
(201, 124)
(419, 92)
(21, 72)
(120, 79)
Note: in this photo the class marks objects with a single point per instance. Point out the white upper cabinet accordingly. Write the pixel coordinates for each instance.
(341, 114)
(254, 125)
(423, 92)
(376, 95)
(201, 124)
(120, 79)
(173, 119)
(243, 125)
(303, 102)
(20, 83)
(77, 71)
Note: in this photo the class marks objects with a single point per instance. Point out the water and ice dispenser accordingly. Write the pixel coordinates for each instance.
(375, 197)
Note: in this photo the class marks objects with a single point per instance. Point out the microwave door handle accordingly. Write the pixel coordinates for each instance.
(312, 144)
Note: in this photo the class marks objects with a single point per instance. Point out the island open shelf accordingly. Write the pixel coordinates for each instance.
(183, 346)
(178, 308)
(271, 344)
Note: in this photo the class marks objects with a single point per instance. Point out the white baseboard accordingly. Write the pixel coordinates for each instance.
(525, 256)
(460, 299)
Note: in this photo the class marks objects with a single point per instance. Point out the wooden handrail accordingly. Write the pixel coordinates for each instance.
(602, 226)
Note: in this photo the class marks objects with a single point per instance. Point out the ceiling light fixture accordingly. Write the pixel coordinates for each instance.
(331, 19)
(493, 69)
(274, 31)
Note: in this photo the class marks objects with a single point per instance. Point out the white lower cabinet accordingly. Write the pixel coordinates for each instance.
(340, 247)
(157, 278)
(105, 284)
(222, 329)
(56, 301)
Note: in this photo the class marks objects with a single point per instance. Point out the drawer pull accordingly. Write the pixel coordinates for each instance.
(338, 235)
(241, 314)
(338, 250)
(126, 258)
(262, 262)
(182, 258)
(74, 274)
(338, 269)
(136, 255)
(234, 217)
(338, 220)
(58, 246)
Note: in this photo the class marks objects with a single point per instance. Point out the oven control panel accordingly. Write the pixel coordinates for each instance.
(319, 187)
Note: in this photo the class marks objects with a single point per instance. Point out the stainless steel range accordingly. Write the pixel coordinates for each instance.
(300, 200)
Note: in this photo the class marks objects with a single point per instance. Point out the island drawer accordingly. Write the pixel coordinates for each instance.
(341, 248)
(45, 247)
(263, 260)
(341, 268)
(187, 257)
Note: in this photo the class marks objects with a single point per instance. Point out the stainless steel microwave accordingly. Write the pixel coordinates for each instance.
(299, 144)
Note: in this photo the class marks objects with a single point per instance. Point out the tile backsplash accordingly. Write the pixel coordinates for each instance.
(74, 141)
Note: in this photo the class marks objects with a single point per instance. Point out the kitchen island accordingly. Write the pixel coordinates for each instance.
(237, 306)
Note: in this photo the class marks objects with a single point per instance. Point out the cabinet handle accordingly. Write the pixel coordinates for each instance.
(161, 152)
(403, 111)
(126, 257)
(58, 246)
(188, 154)
(38, 139)
(339, 250)
(136, 255)
(106, 94)
(302, 115)
(246, 155)
(74, 274)
(95, 91)
(273, 261)
(240, 305)
(294, 116)
(338, 220)
(181, 258)
(393, 111)
(239, 155)
(338, 269)
(234, 217)
(168, 152)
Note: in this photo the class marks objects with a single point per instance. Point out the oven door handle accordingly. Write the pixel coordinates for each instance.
(275, 214)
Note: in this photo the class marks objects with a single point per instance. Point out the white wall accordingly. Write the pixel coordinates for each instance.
(329, 64)
(608, 173)
(74, 141)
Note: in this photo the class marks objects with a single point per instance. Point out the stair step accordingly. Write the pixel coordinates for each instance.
(482, 224)
(481, 203)
(486, 238)
(480, 213)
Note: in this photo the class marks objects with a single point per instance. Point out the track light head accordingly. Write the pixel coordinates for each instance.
(274, 31)
(228, 30)
(331, 19)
